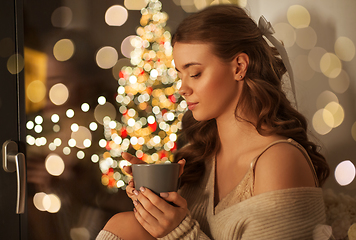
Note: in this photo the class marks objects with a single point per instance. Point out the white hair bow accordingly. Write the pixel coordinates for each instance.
(268, 31)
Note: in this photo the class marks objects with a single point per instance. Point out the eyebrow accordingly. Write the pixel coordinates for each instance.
(188, 65)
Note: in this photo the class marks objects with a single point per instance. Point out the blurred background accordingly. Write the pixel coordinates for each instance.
(99, 80)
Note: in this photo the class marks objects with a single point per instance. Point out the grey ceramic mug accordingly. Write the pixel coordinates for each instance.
(157, 177)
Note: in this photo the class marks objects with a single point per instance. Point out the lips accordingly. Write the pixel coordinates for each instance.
(192, 105)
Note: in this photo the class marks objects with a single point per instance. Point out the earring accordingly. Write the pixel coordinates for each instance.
(240, 76)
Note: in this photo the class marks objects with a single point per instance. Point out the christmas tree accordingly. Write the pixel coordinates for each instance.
(150, 106)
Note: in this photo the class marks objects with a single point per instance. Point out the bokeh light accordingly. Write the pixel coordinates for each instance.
(345, 172)
(63, 50)
(36, 91)
(285, 33)
(54, 165)
(58, 94)
(314, 58)
(52, 203)
(330, 65)
(126, 46)
(135, 4)
(105, 110)
(81, 136)
(341, 83)
(298, 16)
(79, 233)
(188, 6)
(306, 38)
(344, 48)
(62, 17)
(15, 63)
(318, 122)
(106, 57)
(38, 201)
(325, 98)
(337, 112)
(116, 15)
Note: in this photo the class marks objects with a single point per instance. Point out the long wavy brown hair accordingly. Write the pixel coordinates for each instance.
(230, 31)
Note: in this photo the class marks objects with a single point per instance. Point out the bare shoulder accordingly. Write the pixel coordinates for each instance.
(282, 166)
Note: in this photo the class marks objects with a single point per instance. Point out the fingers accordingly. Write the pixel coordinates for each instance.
(175, 198)
(150, 201)
(182, 164)
(132, 159)
(130, 190)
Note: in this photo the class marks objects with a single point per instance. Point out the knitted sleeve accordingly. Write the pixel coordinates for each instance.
(106, 235)
(187, 230)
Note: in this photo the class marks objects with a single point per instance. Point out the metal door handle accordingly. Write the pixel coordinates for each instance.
(14, 161)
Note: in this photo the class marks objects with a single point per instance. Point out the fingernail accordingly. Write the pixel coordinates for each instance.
(164, 194)
(135, 192)
(135, 210)
(135, 202)
(142, 189)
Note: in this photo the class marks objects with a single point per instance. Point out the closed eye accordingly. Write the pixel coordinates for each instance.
(195, 76)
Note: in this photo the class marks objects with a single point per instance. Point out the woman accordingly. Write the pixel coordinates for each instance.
(250, 171)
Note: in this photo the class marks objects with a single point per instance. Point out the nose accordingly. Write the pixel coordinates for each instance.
(184, 90)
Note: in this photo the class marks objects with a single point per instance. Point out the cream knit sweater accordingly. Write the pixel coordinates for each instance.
(283, 214)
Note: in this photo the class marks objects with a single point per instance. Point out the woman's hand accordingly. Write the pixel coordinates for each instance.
(156, 215)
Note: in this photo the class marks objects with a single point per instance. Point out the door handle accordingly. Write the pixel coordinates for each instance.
(13, 161)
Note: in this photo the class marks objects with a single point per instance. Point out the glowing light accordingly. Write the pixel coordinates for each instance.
(58, 94)
(15, 63)
(285, 33)
(338, 114)
(106, 57)
(66, 151)
(344, 48)
(93, 126)
(30, 125)
(80, 233)
(80, 154)
(74, 127)
(330, 65)
(38, 128)
(298, 16)
(105, 110)
(55, 118)
(52, 203)
(38, 201)
(54, 165)
(95, 158)
(135, 4)
(151, 119)
(324, 98)
(319, 124)
(126, 47)
(306, 38)
(314, 58)
(85, 107)
(341, 83)
(30, 140)
(102, 143)
(61, 17)
(36, 91)
(116, 15)
(71, 143)
(188, 6)
(120, 184)
(57, 142)
(81, 137)
(345, 172)
(63, 50)
(131, 122)
(70, 113)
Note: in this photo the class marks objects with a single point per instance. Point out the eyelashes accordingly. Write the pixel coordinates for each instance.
(195, 76)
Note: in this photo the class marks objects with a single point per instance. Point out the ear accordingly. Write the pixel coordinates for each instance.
(241, 62)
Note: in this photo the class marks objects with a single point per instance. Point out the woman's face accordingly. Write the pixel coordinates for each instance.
(208, 84)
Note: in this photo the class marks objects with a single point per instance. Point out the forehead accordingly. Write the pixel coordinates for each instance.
(187, 52)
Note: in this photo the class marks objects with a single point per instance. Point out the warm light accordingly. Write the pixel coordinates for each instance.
(81, 137)
(104, 110)
(94, 158)
(38, 201)
(93, 126)
(85, 107)
(338, 114)
(55, 118)
(61, 17)
(58, 94)
(126, 47)
(15, 64)
(345, 172)
(306, 38)
(54, 165)
(298, 16)
(106, 57)
(52, 203)
(70, 113)
(324, 98)
(30, 125)
(314, 58)
(63, 50)
(319, 124)
(116, 15)
(285, 33)
(135, 4)
(36, 91)
(341, 83)
(80, 233)
(330, 65)
(80, 155)
(344, 48)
